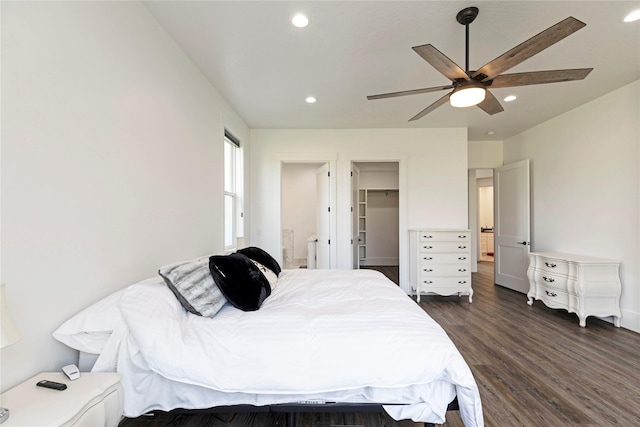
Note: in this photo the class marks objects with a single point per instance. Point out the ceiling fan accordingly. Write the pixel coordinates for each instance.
(471, 87)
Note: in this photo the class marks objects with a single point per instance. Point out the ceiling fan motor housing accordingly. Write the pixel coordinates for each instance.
(467, 15)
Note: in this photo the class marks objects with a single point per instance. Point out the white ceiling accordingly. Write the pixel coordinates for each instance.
(265, 68)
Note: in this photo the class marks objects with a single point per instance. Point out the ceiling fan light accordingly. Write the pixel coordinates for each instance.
(300, 20)
(633, 16)
(467, 95)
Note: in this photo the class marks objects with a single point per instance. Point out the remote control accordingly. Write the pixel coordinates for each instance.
(52, 384)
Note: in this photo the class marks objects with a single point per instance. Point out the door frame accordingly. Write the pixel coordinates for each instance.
(320, 158)
(345, 258)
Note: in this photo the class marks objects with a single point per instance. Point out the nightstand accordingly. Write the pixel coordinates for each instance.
(95, 399)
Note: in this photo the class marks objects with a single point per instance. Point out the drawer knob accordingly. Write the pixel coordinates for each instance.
(462, 247)
(427, 258)
(462, 269)
(462, 236)
(427, 282)
(428, 247)
(551, 294)
(462, 282)
(428, 236)
(428, 270)
(462, 257)
(550, 264)
(548, 279)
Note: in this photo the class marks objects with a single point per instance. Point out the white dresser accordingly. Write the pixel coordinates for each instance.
(441, 262)
(583, 285)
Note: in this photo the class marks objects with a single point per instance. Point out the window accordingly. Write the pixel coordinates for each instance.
(233, 226)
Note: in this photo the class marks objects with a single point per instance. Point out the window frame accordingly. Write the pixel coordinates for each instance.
(233, 186)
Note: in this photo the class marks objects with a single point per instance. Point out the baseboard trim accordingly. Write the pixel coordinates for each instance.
(379, 261)
(630, 320)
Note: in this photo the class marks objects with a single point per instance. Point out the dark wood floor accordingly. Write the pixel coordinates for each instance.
(391, 271)
(534, 366)
(351, 419)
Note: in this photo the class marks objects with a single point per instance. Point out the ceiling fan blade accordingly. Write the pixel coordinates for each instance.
(490, 105)
(409, 92)
(529, 48)
(538, 77)
(431, 107)
(441, 62)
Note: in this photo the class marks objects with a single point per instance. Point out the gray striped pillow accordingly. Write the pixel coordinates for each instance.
(192, 284)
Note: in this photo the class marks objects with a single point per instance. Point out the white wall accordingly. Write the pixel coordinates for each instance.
(111, 163)
(585, 186)
(485, 154)
(378, 175)
(432, 179)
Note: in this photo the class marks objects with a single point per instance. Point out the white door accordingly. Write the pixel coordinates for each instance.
(323, 217)
(511, 226)
(355, 216)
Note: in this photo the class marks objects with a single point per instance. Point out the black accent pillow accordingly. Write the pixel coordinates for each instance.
(240, 281)
(262, 257)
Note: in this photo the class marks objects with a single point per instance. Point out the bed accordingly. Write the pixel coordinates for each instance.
(318, 337)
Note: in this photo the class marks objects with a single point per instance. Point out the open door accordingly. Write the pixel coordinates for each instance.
(323, 217)
(355, 217)
(512, 225)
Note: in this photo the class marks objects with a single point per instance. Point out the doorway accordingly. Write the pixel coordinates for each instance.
(300, 201)
(484, 186)
(377, 217)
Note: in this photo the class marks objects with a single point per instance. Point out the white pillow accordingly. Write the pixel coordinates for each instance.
(90, 329)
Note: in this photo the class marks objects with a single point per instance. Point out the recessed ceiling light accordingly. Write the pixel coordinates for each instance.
(633, 16)
(310, 99)
(510, 98)
(300, 20)
(491, 132)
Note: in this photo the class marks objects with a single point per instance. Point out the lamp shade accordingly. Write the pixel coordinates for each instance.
(8, 332)
(467, 94)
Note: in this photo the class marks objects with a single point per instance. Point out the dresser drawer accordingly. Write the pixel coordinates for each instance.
(431, 236)
(444, 270)
(444, 258)
(550, 265)
(551, 280)
(429, 247)
(460, 283)
(554, 298)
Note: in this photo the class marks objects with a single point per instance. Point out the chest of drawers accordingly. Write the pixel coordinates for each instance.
(583, 285)
(440, 262)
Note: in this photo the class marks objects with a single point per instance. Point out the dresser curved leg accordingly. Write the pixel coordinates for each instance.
(470, 295)
(616, 321)
(583, 321)
(529, 300)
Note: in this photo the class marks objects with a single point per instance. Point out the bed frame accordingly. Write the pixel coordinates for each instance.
(291, 410)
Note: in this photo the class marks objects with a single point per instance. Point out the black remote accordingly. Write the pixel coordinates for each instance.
(52, 384)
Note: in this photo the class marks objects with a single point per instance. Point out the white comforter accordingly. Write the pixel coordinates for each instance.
(327, 335)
